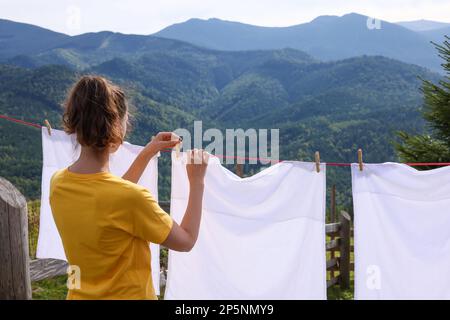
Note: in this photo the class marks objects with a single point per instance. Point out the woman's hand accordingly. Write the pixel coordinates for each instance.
(163, 140)
(183, 237)
(197, 163)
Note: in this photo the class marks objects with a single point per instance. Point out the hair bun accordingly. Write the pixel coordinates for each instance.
(95, 111)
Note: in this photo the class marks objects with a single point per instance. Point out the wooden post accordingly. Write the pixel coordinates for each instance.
(41, 269)
(165, 205)
(344, 260)
(333, 220)
(14, 255)
(333, 204)
(239, 169)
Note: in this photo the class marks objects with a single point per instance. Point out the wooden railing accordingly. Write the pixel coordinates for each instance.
(338, 266)
(17, 271)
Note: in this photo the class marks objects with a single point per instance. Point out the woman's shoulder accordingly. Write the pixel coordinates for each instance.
(57, 176)
(127, 187)
(129, 193)
(104, 183)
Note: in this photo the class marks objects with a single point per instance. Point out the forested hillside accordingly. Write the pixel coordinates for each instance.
(35, 95)
(335, 107)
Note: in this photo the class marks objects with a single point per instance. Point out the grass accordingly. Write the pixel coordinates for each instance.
(56, 289)
(50, 289)
(33, 226)
(335, 293)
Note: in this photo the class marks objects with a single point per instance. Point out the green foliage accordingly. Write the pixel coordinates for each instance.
(334, 107)
(422, 148)
(50, 289)
(336, 293)
(33, 226)
(433, 147)
(37, 94)
(20, 157)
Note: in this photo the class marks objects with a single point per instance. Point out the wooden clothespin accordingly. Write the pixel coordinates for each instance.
(49, 127)
(177, 146)
(177, 150)
(360, 159)
(239, 170)
(317, 158)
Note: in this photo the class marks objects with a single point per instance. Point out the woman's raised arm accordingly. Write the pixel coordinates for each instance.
(161, 141)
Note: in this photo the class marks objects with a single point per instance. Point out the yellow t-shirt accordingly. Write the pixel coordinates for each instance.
(106, 224)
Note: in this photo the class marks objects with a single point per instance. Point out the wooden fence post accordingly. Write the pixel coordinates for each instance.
(344, 260)
(333, 220)
(333, 204)
(14, 255)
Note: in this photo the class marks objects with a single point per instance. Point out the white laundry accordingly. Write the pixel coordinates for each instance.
(61, 150)
(402, 232)
(261, 237)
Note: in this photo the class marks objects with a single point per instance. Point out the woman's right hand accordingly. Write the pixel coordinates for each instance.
(183, 237)
(197, 163)
(163, 140)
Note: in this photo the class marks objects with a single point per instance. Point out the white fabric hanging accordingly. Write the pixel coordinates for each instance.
(261, 237)
(402, 232)
(61, 150)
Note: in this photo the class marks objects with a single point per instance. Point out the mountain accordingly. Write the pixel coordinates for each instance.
(364, 84)
(423, 25)
(192, 81)
(331, 106)
(436, 35)
(334, 107)
(22, 39)
(326, 38)
(82, 51)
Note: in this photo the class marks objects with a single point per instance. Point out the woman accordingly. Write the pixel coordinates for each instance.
(105, 221)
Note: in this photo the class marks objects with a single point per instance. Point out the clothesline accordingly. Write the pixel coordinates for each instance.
(20, 121)
(333, 164)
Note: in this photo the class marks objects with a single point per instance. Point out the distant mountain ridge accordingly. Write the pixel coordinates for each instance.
(326, 38)
(21, 38)
(423, 25)
(436, 35)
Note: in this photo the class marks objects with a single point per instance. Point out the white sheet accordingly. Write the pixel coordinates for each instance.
(402, 232)
(261, 237)
(59, 151)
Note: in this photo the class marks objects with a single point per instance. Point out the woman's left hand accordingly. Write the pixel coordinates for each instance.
(163, 140)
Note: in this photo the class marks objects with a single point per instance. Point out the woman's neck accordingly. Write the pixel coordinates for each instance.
(91, 161)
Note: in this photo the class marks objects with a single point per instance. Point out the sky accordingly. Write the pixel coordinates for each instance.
(149, 16)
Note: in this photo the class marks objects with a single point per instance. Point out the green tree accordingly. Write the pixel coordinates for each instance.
(435, 145)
